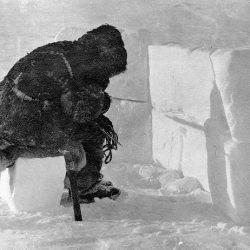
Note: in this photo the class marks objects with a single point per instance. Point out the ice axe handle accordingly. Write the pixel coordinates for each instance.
(71, 173)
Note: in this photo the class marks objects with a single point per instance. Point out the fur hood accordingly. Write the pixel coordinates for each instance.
(102, 54)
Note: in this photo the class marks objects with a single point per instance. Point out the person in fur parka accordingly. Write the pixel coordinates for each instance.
(54, 99)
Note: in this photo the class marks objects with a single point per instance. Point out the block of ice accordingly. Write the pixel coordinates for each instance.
(229, 137)
(184, 185)
(132, 122)
(190, 89)
(181, 81)
(33, 184)
(180, 147)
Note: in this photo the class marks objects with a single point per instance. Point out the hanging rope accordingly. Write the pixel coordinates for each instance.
(111, 137)
(110, 144)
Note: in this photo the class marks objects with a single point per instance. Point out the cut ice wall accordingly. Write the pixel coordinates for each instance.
(181, 81)
(33, 184)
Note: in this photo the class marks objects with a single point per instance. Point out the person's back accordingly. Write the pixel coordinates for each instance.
(55, 89)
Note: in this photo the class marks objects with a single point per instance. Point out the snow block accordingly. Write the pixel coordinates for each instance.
(181, 81)
(33, 184)
(228, 134)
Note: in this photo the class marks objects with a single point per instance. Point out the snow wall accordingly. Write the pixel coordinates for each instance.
(27, 24)
(201, 120)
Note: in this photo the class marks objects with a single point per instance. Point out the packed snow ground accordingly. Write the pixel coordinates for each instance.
(158, 209)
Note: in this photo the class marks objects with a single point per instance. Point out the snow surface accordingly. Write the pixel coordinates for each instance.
(142, 218)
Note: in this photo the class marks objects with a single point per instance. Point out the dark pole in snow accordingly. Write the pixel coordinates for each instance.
(71, 173)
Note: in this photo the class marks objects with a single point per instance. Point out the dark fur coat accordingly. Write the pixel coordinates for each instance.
(57, 88)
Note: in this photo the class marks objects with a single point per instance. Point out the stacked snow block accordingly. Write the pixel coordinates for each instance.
(201, 120)
(33, 184)
(228, 133)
